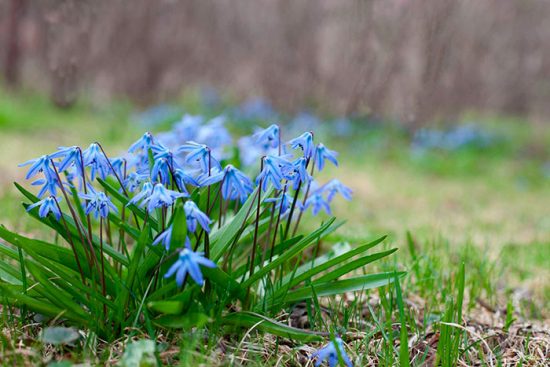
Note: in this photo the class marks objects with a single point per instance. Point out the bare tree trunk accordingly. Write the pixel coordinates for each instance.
(13, 51)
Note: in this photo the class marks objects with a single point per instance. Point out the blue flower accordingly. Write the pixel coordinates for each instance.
(71, 156)
(329, 353)
(143, 143)
(322, 153)
(194, 215)
(119, 166)
(161, 169)
(188, 126)
(189, 262)
(161, 197)
(95, 159)
(297, 172)
(133, 180)
(273, 171)
(304, 142)
(235, 183)
(214, 134)
(255, 108)
(334, 187)
(145, 192)
(160, 151)
(268, 138)
(283, 202)
(38, 165)
(182, 178)
(199, 153)
(165, 237)
(47, 205)
(50, 182)
(98, 203)
(317, 202)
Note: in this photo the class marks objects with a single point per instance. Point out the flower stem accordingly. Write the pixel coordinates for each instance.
(70, 240)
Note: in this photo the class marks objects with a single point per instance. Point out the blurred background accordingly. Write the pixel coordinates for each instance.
(413, 60)
(440, 108)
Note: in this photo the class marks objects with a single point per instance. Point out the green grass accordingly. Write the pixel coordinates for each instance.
(485, 209)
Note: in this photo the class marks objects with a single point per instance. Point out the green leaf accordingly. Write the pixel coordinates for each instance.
(56, 295)
(253, 320)
(404, 337)
(135, 262)
(221, 239)
(360, 283)
(224, 281)
(167, 307)
(179, 228)
(187, 321)
(288, 255)
(348, 268)
(314, 267)
(16, 296)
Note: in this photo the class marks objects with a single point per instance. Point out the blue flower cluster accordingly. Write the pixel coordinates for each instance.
(159, 171)
(457, 137)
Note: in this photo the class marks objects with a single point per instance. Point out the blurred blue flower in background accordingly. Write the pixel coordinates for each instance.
(283, 202)
(322, 153)
(454, 138)
(268, 138)
(256, 108)
(188, 127)
(317, 203)
(334, 187)
(305, 121)
(210, 97)
(342, 127)
(157, 115)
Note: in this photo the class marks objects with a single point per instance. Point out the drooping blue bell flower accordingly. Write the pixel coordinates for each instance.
(189, 262)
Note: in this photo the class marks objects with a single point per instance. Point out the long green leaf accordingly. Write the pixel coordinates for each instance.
(290, 254)
(315, 267)
(355, 284)
(221, 239)
(250, 319)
